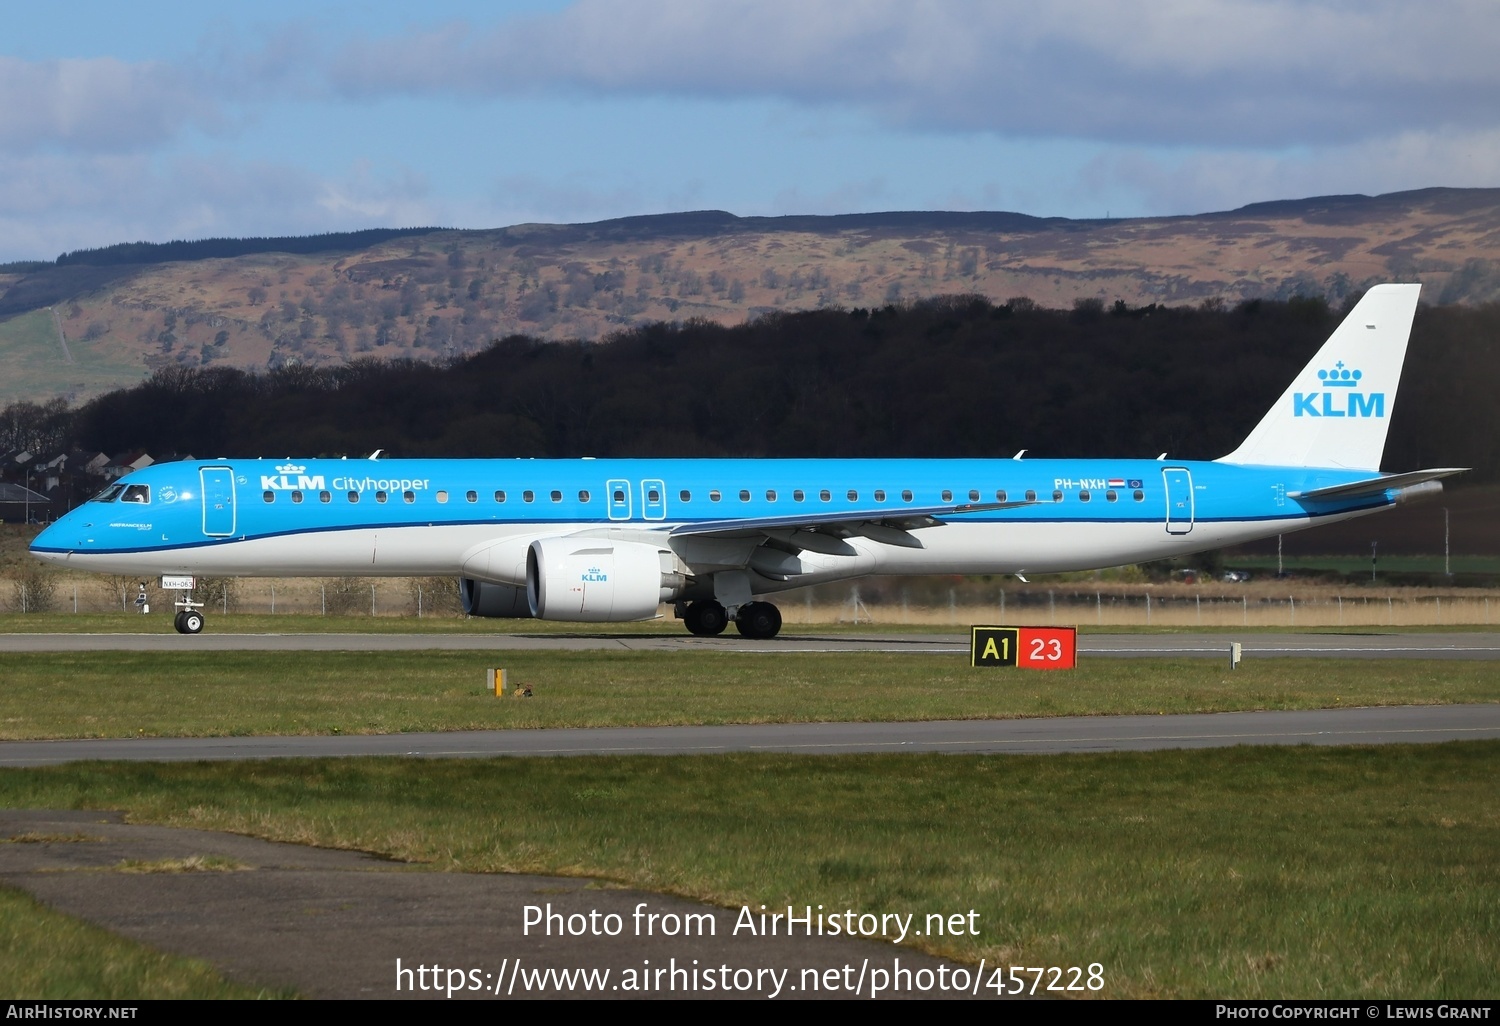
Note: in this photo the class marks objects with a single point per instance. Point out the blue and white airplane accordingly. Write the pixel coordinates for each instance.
(595, 540)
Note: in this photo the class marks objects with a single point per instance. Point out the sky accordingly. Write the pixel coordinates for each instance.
(178, 120)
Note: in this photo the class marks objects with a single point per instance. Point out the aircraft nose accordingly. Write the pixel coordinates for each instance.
(57, 540)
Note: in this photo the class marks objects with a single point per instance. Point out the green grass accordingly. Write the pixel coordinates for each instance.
(1248, 872)
(34, 364)
(48, 955)
(116, 694)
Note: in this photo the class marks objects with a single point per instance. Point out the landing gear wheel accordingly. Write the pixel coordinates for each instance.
(758, 620)
(706, 619)
(177, 622)
(190, 622)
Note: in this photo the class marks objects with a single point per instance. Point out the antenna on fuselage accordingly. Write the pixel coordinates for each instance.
(1018, 455)
(376, 454)
(1162, 458)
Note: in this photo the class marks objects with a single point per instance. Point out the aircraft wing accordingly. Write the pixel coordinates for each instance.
(1376, 485)
(824, 532)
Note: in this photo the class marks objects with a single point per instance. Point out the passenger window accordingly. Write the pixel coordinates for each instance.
(353, 496)
(324, 497)
(1057, 496)
(1111, 495)
(556, 495)
(770, 495)
(1083, 496)
(268, 496)
(1030, 495)
(825, 495)
(1139, 495)
(880, 495)
(471, 496)
(583, 495)
(685, 495)
(853, 495)
(797, 495)
(714, 496)
(653, 496)
(296, 496)
(409, 496)
(947, 494)
(906, 495)
(973, 494)
(499, 496)
(442, 496)
(999, 494)
(744, 495)
(137, 493)
(528, 496)
(380, 496)
(619, 496)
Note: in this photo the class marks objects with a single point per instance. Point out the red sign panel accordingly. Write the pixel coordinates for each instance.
(1047, 648)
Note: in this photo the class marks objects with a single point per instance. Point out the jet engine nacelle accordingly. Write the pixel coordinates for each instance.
(598, 581)
(482, 598)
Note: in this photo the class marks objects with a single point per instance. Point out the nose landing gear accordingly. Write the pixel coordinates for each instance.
(189, 618)
(188, 621)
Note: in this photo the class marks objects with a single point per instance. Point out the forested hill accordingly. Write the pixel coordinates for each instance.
(957, 376)
(99, 319)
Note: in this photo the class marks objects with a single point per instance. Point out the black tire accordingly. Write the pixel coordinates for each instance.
(758, 620)
(192, 622)
(706, 619)
(177, 622)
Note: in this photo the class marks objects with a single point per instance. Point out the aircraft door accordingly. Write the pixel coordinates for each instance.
(218, 501)
(653, 500)
(618, 493)
(1179, 488)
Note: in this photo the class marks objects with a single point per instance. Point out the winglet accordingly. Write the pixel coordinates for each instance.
(1337, 410)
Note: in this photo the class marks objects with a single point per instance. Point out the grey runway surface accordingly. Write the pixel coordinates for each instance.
(1392, 725)
(1365, 644)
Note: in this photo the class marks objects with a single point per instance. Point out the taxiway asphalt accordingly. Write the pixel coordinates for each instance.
(1369, 643)
(1382, 725)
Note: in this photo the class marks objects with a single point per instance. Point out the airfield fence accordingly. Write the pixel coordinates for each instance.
(880, 602)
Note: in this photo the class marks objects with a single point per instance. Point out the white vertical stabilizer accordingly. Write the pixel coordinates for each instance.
(1336, 412)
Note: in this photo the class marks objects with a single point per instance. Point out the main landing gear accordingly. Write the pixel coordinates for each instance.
(757, 620)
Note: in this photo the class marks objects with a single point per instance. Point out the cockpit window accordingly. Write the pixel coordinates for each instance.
(109, 494)
(137, 493)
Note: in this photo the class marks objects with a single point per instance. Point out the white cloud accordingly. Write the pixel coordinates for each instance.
(1223, 72)
(96, 104)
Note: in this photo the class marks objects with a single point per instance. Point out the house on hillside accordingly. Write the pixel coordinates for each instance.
(126, 462)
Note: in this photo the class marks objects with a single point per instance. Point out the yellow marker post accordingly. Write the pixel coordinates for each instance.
(497, 682)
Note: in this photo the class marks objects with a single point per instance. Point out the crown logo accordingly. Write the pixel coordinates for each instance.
(1340, 376)
(290, 468)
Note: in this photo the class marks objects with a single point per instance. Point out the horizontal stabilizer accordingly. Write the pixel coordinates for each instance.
(1376, 485)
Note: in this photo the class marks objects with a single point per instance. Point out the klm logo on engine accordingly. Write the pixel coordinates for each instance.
(593, 575)
(1340, 398)
(289, 477)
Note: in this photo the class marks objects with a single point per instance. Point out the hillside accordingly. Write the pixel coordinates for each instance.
(78, 329)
